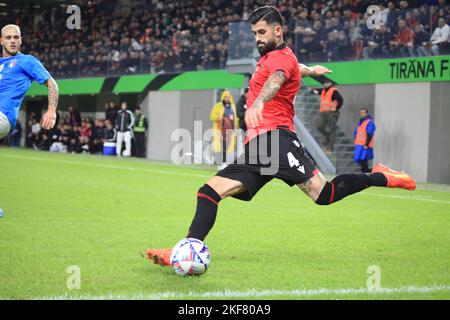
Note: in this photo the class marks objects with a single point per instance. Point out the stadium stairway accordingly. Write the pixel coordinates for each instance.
(307, 111)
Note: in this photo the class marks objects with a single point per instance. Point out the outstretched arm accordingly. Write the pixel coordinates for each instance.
(314, 71)
(49, 118)
(254, 116)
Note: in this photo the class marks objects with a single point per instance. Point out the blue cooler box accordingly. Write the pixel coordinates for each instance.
(109, 149)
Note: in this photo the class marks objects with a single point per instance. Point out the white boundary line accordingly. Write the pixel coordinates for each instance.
(110, 166)
(254, 293)
(107, 166)
(402, 197)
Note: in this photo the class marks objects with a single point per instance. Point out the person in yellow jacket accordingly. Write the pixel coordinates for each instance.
(224, 118)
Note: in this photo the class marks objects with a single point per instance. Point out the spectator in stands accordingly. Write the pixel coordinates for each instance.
(74, 116)
(378, 43)
(43, 142)
(111, 111)
(73, 146)
(28, 134)
(421, 42)
(96, 141)
(35, 131)
(171, 62)
(109, 134)
(309, 49)
(84, 144)
(403, 42)
(16, 135)
(120, 45)
(440, 40)
(86, 129)
(393, 14)
(384, 12)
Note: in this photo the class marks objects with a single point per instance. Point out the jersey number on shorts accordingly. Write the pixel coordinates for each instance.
(293, 162)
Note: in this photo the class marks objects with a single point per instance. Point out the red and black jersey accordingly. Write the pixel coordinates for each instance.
(279, 111)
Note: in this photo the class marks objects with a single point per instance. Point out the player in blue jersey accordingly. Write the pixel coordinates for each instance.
(17, 72)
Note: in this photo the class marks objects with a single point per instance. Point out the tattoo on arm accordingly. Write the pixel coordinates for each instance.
(306, 187)
(272, 85)
(314, 186)
(53, 93)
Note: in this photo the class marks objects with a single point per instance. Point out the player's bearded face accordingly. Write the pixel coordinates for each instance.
(264, 47)
(265, 36)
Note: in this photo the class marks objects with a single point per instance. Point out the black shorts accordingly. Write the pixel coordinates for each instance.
(275, 154)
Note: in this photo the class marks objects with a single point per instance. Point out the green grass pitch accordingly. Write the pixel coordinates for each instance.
(100, 213)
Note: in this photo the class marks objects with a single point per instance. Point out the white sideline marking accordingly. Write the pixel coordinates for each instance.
(253, 293)
(110, 166)
(402, 197)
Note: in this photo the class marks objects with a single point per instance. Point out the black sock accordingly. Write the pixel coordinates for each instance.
(347, 184)
(205, 215)
(365, 166)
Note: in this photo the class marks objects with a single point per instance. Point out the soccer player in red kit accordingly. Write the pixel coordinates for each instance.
(270, 123)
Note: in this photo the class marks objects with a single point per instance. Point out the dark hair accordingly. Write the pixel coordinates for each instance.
(365, 109)
(269, 14)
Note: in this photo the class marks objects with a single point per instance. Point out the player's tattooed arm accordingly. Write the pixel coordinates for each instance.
(49, 118)
(254, 116)
(314, 71)
(53, 93)
(271, 87)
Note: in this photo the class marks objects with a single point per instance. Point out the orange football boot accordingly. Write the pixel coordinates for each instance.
(159, 256)
(396, 179)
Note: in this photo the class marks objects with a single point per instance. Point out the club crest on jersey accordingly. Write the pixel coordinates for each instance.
(13, 63)
(2, 67)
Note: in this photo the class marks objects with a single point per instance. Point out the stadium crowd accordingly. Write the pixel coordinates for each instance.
(72, 133)
(174, 36)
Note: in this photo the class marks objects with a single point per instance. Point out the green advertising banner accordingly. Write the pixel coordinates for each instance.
(133, 83)
(70, 86)
(391, 70)
(203, 80)
(352, 72)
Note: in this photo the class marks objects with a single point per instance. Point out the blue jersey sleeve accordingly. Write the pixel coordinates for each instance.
(34, 68)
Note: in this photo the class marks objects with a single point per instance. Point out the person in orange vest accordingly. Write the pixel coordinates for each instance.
(364, 140)
(330, 103)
